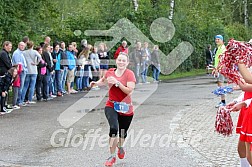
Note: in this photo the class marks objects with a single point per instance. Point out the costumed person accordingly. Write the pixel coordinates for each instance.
(245, 124)
(119, 108)
(238, 104)
(244, 107)
(233, 64)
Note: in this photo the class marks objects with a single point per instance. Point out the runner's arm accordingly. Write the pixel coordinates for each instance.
(127, 89)
(100, 82)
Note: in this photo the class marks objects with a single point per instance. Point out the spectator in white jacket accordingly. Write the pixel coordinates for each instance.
(95, 63)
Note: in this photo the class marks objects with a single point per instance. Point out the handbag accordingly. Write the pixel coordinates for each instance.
(42, 69)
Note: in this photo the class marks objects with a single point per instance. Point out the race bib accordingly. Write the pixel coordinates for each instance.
(121, 107)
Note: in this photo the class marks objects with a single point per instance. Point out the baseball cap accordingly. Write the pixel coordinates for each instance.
(219, 37)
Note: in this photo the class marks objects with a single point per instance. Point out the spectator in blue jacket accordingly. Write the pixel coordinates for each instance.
(57, 67)
(71, 68)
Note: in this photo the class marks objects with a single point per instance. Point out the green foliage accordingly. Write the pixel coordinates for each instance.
(238, 32)
(196, 21)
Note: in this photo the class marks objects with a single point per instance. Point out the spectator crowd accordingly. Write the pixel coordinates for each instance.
(47, 71)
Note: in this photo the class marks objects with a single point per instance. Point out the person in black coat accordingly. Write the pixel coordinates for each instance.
(5, 60)
(5, 83)
(49, 65)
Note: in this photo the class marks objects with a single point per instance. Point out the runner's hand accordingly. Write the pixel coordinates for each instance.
(92, 84)
(112, 80)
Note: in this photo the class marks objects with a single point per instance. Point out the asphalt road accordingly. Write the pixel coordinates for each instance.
(173, 126)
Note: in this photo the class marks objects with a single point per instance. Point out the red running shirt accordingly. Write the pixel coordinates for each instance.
(116, 94)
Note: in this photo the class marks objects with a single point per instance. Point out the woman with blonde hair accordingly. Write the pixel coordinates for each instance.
(87, 68)
(104, 58)
(82, 61)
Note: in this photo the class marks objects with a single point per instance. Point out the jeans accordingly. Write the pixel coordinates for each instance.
(63, 78)
(144, 72)
(85, 80)
(79, 78)
(30, 81)
(58, 81)
(137, 72)
(51, 84)
(15, 95)
(22, 80)
(156, 72)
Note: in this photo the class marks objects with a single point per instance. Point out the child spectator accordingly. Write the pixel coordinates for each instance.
(5, 83)
(15, 87)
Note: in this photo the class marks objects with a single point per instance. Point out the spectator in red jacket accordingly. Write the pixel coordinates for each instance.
(16, 86)
(122, 48)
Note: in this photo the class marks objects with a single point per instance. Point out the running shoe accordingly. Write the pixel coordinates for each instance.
(110, 161)
(120, 153)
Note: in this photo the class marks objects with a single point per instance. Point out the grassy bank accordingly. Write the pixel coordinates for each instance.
(176, 75)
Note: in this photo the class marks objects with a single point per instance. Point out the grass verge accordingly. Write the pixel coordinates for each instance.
(176, 75)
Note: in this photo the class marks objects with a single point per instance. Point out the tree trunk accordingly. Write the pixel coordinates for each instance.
(135, 4)
(172, 4)
(245, 13)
